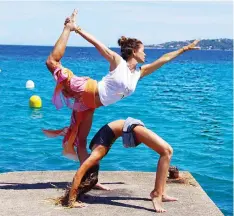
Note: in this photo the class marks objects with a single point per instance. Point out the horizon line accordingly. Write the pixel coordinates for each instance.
(43, 45)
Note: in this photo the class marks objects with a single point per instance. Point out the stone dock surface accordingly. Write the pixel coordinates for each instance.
(30, 193)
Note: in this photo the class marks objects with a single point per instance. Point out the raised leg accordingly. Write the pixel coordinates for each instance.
(54, 58)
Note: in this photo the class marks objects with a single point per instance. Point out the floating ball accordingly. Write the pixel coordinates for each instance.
(30, 84)
(35, 102)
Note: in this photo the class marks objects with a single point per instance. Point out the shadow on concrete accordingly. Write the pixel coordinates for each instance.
(109, 198)
(112, 200)
(112, 183)
(20, 186)
(46, 185)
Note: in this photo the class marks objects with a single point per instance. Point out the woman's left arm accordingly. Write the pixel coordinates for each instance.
(150, 68)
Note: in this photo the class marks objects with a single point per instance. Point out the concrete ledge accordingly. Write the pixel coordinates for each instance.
(28, 193)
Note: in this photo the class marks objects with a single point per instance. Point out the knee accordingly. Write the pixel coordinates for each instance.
(168, 152)
(50, 63)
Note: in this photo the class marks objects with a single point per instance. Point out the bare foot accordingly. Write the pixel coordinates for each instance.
(157, 203)
(70, 153)
(101, 187)
(71, 21)
(166, 198)
(77, 204)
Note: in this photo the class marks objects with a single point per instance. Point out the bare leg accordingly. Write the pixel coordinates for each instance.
(156, 143)
(71, 138)
(82, 137)
(53, 60)
(83, 132)
(97, 154)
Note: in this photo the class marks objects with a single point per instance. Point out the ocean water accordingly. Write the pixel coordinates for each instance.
(187, 102)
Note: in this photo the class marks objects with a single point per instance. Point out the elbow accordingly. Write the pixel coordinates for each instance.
(165, 59)
(48, 61)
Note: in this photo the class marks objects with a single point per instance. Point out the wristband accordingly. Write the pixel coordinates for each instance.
(185, 48)
(78, 28)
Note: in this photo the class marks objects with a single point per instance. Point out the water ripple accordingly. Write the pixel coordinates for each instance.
(187, 102)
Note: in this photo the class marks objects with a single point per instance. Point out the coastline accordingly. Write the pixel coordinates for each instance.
(146, 47)
(155, 48)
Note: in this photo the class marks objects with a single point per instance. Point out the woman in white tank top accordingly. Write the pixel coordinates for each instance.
(121, 80)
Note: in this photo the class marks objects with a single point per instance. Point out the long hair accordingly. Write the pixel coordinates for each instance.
(88, 181)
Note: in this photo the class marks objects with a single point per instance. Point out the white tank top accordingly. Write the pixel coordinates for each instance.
(118, 84)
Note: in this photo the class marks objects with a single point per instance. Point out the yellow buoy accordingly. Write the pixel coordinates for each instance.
(35, 102)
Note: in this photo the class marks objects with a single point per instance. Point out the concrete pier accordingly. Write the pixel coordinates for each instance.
(29, 193)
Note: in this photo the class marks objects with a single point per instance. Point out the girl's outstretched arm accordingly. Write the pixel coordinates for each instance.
(112, 57)
(150, 68)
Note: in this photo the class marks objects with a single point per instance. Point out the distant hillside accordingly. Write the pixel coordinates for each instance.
(208, 44)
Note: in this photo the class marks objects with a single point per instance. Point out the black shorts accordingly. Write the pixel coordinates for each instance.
(105, 137)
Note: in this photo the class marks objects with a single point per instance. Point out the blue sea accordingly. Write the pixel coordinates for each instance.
(188, 102)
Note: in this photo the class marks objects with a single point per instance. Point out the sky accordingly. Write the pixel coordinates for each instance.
(153, 22)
